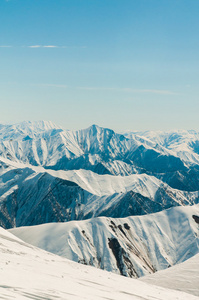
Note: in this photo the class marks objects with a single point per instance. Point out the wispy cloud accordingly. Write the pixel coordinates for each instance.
(130, 90)
(121, 90)
(62, 86)
(44, 46)
(51, 46)
(34, 46)
(161, 92)
(56, 46)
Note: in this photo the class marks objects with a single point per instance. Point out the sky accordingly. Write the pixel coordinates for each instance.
(121, 64)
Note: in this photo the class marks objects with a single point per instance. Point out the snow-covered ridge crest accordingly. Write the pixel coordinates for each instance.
(31, 128)
(37, 125)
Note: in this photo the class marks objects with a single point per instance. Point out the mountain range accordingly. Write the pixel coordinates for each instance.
(122, 202)
(57, 175)
(172, 157)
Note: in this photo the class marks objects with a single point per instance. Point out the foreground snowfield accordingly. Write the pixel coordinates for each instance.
(31, 273)
(183, 277)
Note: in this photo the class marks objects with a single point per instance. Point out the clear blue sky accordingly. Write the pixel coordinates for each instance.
(122, 64)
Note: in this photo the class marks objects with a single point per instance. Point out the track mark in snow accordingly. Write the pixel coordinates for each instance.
(6, 287)
(137, 297)
(35, 297)
(96, 283)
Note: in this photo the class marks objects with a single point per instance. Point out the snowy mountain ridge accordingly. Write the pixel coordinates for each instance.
(33, 195)
(133, 246)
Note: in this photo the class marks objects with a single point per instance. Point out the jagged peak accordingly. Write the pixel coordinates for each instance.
(93, 127)
(96, 128)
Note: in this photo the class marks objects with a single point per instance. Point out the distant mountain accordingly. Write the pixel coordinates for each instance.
(172, 158)
(133, 246)
(181, 143)
(37, 143)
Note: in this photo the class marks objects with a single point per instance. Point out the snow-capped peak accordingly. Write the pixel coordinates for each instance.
(37, 126)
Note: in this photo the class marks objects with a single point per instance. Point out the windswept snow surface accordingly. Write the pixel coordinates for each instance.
(183, 277)
(133, 246)
(31, 273)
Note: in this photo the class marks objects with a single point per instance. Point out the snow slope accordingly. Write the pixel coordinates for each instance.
(183, 277)
(133, 246)
(31, 273)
